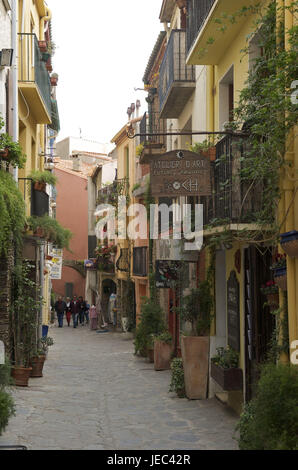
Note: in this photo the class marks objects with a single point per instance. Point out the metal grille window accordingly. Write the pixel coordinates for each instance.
(140, 261)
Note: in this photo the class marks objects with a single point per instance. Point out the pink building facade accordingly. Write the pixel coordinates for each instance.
(72, 213)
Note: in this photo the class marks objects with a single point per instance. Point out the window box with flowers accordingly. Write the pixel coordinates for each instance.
(105, 257)
(279, 268)
(270, 290)
(225, 370)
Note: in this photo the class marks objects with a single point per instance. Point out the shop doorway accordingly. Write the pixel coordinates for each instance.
(259, 322)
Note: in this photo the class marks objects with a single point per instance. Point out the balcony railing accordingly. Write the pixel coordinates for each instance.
(109, 194)
(177, 80)
(197, 13)
(152, 124)
(140, 261)
(32, 68)
(235, 200)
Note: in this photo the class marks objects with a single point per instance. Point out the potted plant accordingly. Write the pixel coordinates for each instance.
(10, 151)
(41, 179)
(206, 148)
(196, 309)
(163, 349)
(25, 308)
(54, 79)
(151, 323)
(177, 379)
(50, 229)
(289, 243)
(39, 358)
(279, 268)
(42, 46)
(225, 370)
(7, 408)
(270, 290)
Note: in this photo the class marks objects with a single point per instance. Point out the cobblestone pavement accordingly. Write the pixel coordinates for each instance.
(95, 394)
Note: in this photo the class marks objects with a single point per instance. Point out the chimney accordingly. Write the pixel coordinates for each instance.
(129, 112)
(138, 105)
(133, 107)
(76, 163)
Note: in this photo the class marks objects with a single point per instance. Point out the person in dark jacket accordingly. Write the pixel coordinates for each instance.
(75, 310)
(60, 307)
(83, 307)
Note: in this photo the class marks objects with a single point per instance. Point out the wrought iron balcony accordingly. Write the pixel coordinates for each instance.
(153, 124)
(177, 80)
(34, 80)
(197, 12)
(140, 261)
(235, 200)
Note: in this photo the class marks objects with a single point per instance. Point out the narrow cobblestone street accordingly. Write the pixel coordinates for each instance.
(95, 394)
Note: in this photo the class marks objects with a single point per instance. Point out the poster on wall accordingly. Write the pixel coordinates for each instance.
(166, 272)
(57, 262)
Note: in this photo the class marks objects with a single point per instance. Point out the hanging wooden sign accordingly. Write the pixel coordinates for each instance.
(180, 173)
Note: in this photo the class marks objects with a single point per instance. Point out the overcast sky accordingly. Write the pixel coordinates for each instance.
(103, 47)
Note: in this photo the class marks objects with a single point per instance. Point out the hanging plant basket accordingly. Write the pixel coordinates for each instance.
(40, 186)
(289, 243)
(280, 278)
(42, 46)
(38, 233)
(4, 154)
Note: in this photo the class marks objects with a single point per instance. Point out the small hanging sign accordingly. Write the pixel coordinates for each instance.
(180, 173)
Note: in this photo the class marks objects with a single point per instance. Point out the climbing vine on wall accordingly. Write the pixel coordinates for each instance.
(266, 113)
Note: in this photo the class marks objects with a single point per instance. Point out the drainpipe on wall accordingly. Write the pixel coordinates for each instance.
(15, 110)
(42, 280)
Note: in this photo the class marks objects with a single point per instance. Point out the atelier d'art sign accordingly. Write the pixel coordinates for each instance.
(180, 173)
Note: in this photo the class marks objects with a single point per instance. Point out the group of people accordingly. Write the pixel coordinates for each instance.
(76, 309)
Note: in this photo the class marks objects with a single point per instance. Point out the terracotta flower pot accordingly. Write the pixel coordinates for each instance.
(162, 355)
(37, 364)
(4, 154)
(40, 186)
(54, 81)
(195, 356)
(39, 233)
(42, 46)
(21, 375)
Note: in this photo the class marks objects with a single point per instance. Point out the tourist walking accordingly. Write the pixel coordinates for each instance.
(60, 307)
(93, 318)
(87, 313)
(82, 310)
(75, 310)
(68, 310)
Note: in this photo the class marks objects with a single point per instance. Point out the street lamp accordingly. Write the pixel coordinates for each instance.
(6, 57)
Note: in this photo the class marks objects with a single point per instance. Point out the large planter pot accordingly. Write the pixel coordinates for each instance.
(162, 355)
(150, 353)
(21, 375)
(4, 154)
(228, 379)
(37, 364)
(195, 356)
(280, 278)
(289, 243)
